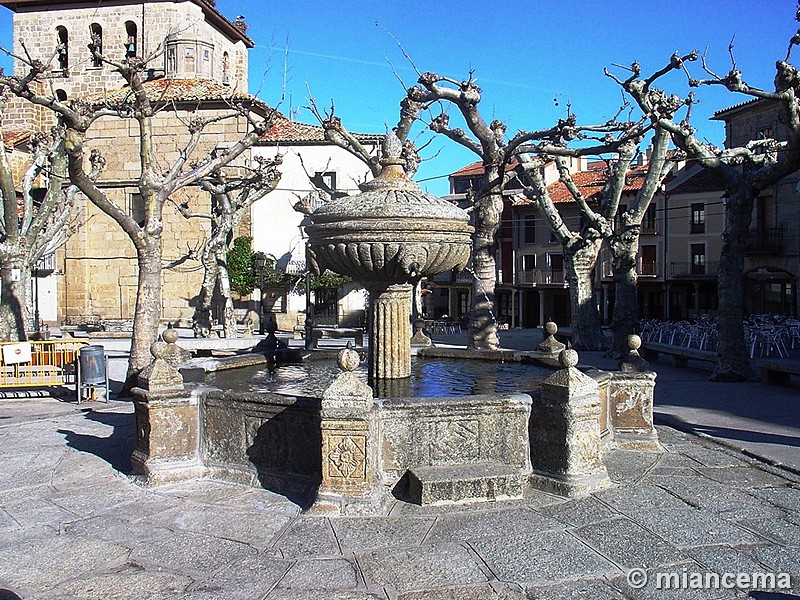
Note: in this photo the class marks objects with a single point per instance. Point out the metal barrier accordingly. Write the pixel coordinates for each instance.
(39, 363)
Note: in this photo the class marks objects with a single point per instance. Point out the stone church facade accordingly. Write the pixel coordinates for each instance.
(197, 66)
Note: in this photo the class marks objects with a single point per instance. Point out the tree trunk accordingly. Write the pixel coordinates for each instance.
(201, 319)
(225, 292)
(587, 333)
(625, 319)
(734, 361)
(482, 322)
(148, 307)
(13, 303)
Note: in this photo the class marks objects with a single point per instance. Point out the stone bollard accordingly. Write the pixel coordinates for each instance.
(169, 350)
(351, 482)
(566, 453)
(167, 425)
(419, 338)
(550, 344)
(630, 398)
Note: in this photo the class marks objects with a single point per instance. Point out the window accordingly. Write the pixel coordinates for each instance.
(172, 61)
(621, 210)
(528, 262)
(226, 68)
(529, 229)
(96, 45)
(556, 264)
(136, 209)
(463, 302)
(61, 95)
(649, 220)
(130, 42)
(63, 48)
(647, 265)
(326, 180)
(698, 218)
(698, 259)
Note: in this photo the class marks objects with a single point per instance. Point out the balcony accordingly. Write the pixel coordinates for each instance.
(464, 276)
(541, 277)
(691, 270)
(764, 241)
(647, 268)
(45, 266)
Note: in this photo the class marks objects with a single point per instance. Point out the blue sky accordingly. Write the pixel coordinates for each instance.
(530, 57)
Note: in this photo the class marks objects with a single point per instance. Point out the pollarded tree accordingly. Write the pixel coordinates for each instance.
(747, 170)
(33, 224)
(141, 102)
(231, 200)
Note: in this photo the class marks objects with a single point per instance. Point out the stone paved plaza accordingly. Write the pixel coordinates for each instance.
(75, 526)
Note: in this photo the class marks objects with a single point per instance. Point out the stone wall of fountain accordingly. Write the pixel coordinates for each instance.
(349, 453)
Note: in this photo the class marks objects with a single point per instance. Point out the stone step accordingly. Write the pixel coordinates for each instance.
(472, 482)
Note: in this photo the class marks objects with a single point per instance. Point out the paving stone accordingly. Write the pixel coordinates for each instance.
(578, 513)
(575, 590)
(357, 534)
(724, 559)
(305, 595)
(64, 558)
(631, 499)
(745, 477)
(100, 498)
(783, 497)
(629, 545)
(192, 553)
(465, 527)
(250, 577)
(651, 591)
(129, 582)
(471, 592)
(711, 457)
(731, 502)
(306, 537)
(408, 509)
(668, 435)
(422, 568)
(30, 508)
(779, 559)
(627, 467)
(324, 575)
(780, 531)
(546, 557)
(692, 527)
(255, 529)
(112, 529)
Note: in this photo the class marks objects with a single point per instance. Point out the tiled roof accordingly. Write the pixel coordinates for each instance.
(287, 131)
(720, 115)
(174, 90)
(590, 184)
(476, 168)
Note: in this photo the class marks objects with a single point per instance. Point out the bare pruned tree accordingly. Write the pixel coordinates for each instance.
(231, 199)
(192, 164)
(747, 170)
(33, 223)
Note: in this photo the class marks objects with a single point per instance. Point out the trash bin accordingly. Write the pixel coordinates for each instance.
(93, 365)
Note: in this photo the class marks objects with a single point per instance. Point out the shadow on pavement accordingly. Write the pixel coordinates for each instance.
(726, 432)
(116, 448)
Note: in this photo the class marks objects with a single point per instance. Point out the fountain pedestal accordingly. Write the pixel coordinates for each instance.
(390, 350)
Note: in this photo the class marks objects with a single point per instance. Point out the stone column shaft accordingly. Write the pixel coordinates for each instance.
(390, 347)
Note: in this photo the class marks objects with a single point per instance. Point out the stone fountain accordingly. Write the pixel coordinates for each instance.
(388, 238)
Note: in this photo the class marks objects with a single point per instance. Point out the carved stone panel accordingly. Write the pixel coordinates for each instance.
(454, 440)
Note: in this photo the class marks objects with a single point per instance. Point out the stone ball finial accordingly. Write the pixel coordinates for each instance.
(568, 358)
(634, 342)
(551, 328)
(169, 335)
(348, 360)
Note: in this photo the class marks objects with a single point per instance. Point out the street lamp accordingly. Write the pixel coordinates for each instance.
(260, 261)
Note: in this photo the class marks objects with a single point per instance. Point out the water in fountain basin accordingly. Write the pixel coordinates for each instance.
(429, 377)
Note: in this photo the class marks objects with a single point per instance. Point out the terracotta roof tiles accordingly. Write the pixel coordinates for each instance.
(174, 90)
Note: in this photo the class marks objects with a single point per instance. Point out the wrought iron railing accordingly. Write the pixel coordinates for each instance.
(691, 269)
